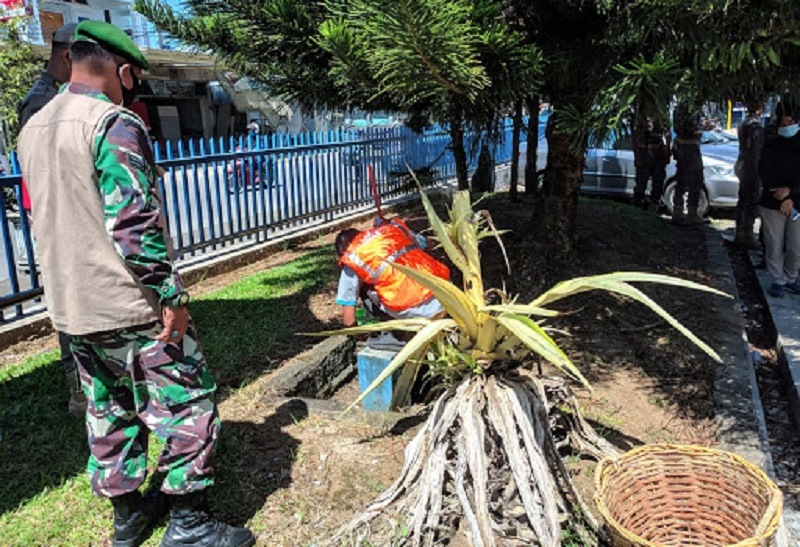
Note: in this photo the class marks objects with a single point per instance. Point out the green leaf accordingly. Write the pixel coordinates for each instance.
(442, 232)
(607, 281)
(772, 55)
(616, 283)
(522, 309)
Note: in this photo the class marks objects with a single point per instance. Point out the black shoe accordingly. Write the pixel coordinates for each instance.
(191, 523)
(134, 514)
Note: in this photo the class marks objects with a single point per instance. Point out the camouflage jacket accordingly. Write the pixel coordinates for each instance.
(127, 175)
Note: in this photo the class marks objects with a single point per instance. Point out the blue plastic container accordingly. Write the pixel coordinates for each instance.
(371, 362)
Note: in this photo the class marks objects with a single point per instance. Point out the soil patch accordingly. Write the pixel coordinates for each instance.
(295, 478)
(651, 384)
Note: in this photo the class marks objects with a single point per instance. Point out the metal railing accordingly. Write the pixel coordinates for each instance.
(223, 193)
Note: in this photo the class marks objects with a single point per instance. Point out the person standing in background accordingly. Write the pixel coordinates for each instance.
(779, 171)
(651, 145)
(42, 92)
(751, 139)
(689, 165)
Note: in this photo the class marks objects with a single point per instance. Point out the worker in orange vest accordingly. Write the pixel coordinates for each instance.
(366, 257)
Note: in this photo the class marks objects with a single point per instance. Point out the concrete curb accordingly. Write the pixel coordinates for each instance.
(740, 413)
(785, 313)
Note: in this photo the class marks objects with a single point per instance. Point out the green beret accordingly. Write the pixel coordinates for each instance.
(112, 39)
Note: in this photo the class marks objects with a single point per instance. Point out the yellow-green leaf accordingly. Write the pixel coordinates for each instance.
(416, 344)
(452, 299)
(522, 309)
(442, 232)
(410, 325)
(639, 296)
(607, 281)
(533, 336)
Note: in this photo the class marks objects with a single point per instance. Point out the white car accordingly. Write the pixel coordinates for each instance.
(609, 171)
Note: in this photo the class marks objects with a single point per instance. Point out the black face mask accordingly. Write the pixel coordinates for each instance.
(128, 95)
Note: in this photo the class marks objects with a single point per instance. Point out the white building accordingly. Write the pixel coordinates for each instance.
(49, 15)
(185, 95)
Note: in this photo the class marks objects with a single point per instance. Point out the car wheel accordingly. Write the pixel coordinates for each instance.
(669, 199)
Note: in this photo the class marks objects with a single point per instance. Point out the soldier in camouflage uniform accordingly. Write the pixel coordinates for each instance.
(110, 283)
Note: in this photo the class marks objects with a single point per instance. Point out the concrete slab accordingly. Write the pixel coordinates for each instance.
(316, 373)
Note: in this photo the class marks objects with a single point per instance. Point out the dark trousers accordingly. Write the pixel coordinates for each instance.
(747, 205)
(67, 360)
(689, 175)
(650, 164)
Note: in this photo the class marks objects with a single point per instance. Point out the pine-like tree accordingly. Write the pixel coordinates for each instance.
(451, 61)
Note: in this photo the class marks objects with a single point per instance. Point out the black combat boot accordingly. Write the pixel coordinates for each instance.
(191, 523)
(133, 516)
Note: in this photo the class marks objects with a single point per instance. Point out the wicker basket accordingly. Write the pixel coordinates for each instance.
(670, 495)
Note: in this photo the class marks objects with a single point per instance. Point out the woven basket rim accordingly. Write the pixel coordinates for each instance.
(772, 514)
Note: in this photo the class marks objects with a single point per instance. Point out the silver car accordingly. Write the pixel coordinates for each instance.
(610, 171)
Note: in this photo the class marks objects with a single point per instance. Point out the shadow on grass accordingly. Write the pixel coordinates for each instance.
(255, 460)
(246, 329)
(41, 446)
(251, 326)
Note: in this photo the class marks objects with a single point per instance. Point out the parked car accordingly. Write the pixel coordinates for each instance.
(610, 171)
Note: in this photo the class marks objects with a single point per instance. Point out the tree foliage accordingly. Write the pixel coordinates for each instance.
(19, 66)
(454, 61)
(601, 63)
(409, 55)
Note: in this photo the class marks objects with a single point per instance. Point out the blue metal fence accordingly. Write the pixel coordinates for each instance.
(220, 193)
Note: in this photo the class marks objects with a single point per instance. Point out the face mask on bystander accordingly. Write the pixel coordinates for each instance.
(788, 131)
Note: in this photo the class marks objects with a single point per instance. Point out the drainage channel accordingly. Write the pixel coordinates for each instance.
(771, 377)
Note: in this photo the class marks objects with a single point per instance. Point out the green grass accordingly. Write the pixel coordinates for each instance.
(45, 498)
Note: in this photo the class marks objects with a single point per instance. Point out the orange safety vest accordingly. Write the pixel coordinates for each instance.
(369, 256)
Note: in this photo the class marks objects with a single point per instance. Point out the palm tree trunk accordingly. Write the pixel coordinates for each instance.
(483, 177)
(512, 189)
(556, 211)
(531, 180)
(488, 446)
(459, 153)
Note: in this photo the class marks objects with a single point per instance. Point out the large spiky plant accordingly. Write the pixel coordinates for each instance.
(487, 463)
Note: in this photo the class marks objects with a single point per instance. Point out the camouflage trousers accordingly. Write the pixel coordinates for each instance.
(134, 385)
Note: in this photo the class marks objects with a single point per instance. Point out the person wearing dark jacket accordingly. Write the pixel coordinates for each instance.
(651, 152)
(779, 171)
(42, 92)
(688, 165)
(751, 139)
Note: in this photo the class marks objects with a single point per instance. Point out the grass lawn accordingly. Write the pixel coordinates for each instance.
(246, 328)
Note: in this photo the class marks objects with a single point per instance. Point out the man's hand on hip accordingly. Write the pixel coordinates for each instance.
(176, 321)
